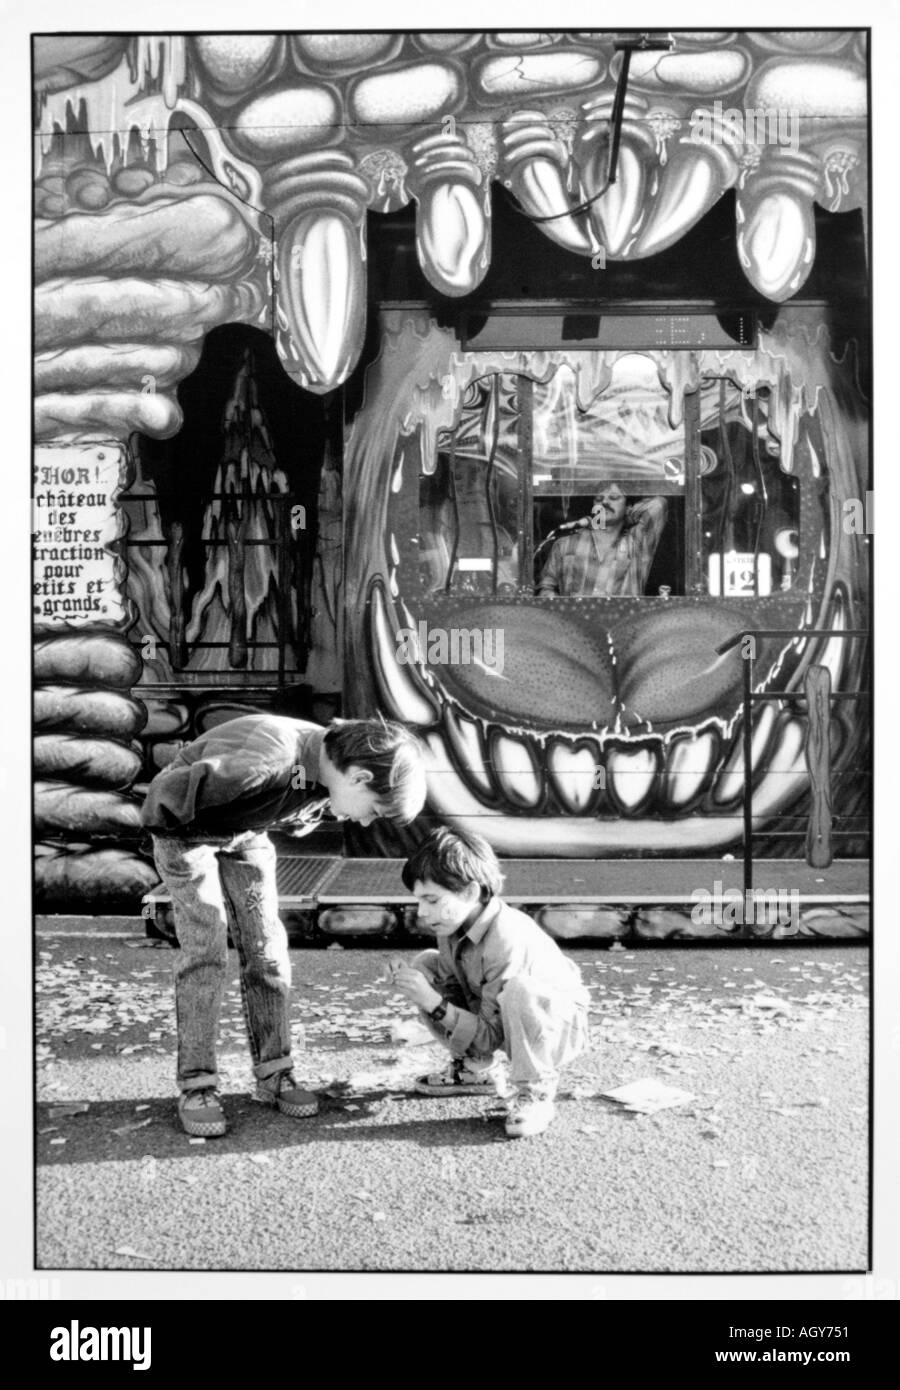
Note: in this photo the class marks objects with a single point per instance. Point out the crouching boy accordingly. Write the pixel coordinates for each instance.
(495, 981)
(208, 813)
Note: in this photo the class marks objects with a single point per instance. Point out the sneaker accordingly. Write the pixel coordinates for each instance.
(529, 1112)
(457, 1080)
(201, 1114)
(282, 1091)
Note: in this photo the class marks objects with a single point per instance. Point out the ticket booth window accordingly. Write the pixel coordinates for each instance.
(532, 493)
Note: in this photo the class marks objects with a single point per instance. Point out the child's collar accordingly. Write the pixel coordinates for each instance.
(476, 930)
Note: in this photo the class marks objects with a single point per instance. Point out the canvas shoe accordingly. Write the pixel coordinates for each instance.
(531, 1111)
(457, 1079)
(282, 1091)
(201, 1114)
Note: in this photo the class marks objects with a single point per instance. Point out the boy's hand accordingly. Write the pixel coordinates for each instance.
(415, 987)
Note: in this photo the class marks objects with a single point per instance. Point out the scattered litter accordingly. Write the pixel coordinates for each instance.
(57, 1141)
(137, 1108)
(379, 1216)
(721, 1163)
(770, 1001)
(58, 1112)
(138, 1124)
(588, 1129)
(50, 1129)
(129, 1250)
(410, 1031)
(366, 1081)
(335, 946)
(187, 1178)
(669, 1050)
(259, 1158)
(648, 1095)
(352, 1107)
(616, 946)
(786, 1110)
(362, 1196)
(197, 1141)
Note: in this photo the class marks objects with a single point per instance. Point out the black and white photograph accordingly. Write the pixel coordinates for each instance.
(447, 802)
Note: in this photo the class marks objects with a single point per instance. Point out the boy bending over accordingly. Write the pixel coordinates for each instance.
(208, 812)
(496, 981)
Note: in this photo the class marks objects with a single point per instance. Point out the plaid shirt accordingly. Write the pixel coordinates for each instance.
(474, 966)
(576, 565)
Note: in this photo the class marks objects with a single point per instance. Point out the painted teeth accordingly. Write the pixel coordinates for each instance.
(631, 776)
(466, 744)
(690, 761)
(729, 785)
(574, 775)
(516, 771)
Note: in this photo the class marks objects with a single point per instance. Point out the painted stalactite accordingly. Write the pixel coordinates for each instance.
(313, 140)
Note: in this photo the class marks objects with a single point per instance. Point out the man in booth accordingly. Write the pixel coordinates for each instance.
(608, 553)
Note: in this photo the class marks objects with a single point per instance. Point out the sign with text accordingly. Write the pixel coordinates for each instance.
(77, 579)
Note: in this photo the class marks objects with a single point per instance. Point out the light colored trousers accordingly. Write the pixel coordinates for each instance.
(214, 886)
(543, 1028)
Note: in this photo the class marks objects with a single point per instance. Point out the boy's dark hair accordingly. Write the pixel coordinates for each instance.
(392, 755)
(454, 859)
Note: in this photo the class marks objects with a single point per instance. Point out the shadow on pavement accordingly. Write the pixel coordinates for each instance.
(112, 1131)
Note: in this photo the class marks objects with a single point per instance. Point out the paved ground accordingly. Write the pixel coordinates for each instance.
(764, 1170)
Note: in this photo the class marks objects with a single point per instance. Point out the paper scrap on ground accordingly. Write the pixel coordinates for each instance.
(410, 1030)
(648, 1095)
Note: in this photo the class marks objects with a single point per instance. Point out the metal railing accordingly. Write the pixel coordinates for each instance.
(750, 695)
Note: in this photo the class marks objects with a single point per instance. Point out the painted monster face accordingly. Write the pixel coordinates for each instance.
(611, 725)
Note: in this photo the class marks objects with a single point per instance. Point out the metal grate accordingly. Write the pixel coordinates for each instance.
(367, 881)
(308, 880)
(301, 878)
(614, 881)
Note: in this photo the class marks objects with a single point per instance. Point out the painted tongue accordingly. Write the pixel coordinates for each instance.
(547, 667)
(550, 669)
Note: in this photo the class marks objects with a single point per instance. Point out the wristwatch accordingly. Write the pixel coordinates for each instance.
(437, 1013)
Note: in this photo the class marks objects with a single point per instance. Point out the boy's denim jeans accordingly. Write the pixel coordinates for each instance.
(214, 886)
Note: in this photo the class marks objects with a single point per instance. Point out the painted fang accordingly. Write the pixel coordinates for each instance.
(76, 1343)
